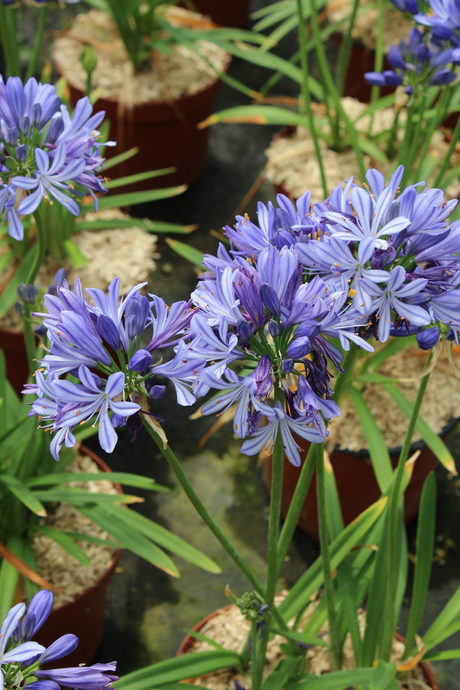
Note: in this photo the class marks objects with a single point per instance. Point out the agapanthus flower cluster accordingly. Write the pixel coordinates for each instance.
(21, 659)
(432, 52)
(97, 339)
(46, 153)
(265, 331)
(393, 252)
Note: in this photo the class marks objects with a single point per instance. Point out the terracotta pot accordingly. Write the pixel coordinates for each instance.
(14, 349)
(356, 483)
(224, 12)
(84, 616)
(165, 133)
(187, 644)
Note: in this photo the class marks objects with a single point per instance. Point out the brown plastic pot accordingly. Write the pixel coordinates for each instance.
(165, 132)
(84, 616)
(14, 349)
(187, 644)
(356, 483)
(224, 12)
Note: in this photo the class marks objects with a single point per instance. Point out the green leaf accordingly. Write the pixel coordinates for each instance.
(384, 674)
(423, 559)
(287, 668)
(376, 443)
(445, 655)
(130, 539)
(337, 680)
(125, 478)
(372, 149)
(180, 668)
(9, 577)
(299, 637)
(144, 223)
(133, 198)
(375, 360)
(8, 296)
(119, 158)
(163, 537)
(79, 497)
(76, 256)
(66, 542)
(23, 494)
(309, 583)
(445, 624)
(429, 436)
(138, 177)
(258, 115)
(190, 253)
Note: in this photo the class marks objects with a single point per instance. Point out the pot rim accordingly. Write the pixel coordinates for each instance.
(188, 640)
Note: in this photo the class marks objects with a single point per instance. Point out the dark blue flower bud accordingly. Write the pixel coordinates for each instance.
(154, 390)
(428, 338)
(21, 152)
(270, 299)
(40, 330)
(27, 293)
(287, 365)
(140, 361)
(55, 129)
(108, 331)
(244, 332)
(442, 77)
(36, 115)
(273, 328)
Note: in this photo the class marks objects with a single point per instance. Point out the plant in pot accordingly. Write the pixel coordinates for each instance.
(158, 69)
(265, 335)
(22, 658)
(403, 127)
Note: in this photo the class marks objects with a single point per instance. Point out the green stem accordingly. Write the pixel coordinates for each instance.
(343, 57)
(325, 557)
(38, 42)
(29, 340)
(396, 497)
(414, 147)
(441, 111)
(202, 511)
(8, 39)
(306, 96)
(325, 71)
(378, 62)
(272, 555)
(447, 157)
(40, 248)
(308, 465)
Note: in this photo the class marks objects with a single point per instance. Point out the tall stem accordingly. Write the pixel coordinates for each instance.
(306, 96)
(202, 511)
(40, 248)
(447, 157)
(308, 466)
(272, 553)
(388, 621)
(29, 339)
(38, 42)
(325, 556)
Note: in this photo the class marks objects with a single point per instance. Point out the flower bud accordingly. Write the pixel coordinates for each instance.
(140, 361)
(27, 293)
(428, 338)
(270, 299)
(108, 331)
(21, 152)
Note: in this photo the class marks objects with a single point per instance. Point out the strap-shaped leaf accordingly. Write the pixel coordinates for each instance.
(380, 457)
(162, 536)
(138, 177)
(130, 539)
(125, 478)
(182, 667)
(306, 586)
(9, 576)
(423, 558)
(133, 198)
(337, 680)
(445, 624)
(8, 296)
(257, 114)
(78, 497)
(66, 542)
(187, 252)
(23, 494)
(430, 437)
